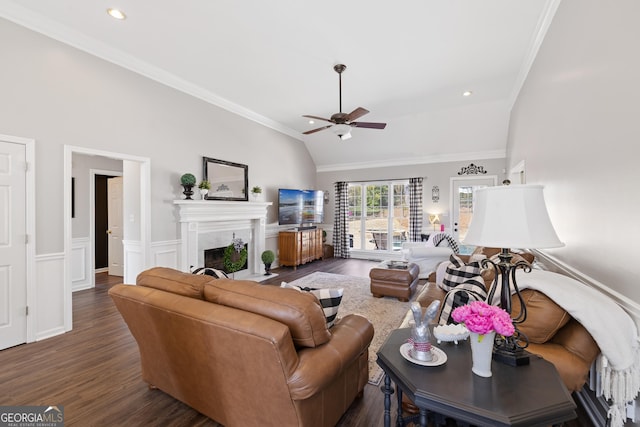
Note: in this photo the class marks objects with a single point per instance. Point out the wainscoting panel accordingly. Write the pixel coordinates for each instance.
(134, 260)
(166, 254)
(50, 296)
(81, 273)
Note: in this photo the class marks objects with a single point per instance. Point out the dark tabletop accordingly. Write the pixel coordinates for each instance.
(529, 395)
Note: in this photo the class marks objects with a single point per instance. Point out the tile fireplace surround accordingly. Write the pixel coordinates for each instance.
(208, 224)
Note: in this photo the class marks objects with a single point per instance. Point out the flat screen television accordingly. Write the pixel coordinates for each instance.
(300, 207)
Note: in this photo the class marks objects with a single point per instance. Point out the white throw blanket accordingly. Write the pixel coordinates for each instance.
(610, 326)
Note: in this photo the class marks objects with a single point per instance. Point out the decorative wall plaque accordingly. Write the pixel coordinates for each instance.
(472, 170)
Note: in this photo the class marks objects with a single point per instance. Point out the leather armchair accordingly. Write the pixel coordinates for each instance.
(244, 353)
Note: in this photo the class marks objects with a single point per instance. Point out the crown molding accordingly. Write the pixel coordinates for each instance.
(64, 34)
(536, 41)
(445, 158)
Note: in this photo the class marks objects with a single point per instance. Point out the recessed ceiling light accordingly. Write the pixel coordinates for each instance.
(116, 13)
(467, 93)
(311, 122)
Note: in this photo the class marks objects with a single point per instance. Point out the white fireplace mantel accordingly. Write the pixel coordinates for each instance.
(200, 216)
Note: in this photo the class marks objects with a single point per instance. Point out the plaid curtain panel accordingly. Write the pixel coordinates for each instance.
(340, 230)
(415, 209)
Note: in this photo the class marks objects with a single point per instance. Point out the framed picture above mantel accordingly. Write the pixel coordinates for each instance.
(229, 181)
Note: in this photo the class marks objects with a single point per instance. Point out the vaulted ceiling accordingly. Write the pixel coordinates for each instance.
(408, 63)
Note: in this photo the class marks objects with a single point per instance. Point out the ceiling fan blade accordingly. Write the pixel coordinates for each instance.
(369, 125)
(318, 118)
(356, 114)
(316, 130)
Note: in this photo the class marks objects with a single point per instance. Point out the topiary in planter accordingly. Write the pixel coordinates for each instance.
(188, 180)
(267, 258)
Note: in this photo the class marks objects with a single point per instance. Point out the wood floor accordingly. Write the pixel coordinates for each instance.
(94, 370)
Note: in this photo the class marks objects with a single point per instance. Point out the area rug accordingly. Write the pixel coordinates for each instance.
(386, 314)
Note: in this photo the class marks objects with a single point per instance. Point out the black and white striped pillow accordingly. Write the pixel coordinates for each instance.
(458, 272)
(466, 292)
(330, 300)
(218, 274)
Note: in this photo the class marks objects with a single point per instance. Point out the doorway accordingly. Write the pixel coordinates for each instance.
(100, 222)
(136, 184)
(17, 240)
(115, 231)
(378, 215)
(462, 193)
(13, 280)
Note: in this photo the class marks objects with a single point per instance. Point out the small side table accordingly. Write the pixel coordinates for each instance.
(327, 251)
(531, 395)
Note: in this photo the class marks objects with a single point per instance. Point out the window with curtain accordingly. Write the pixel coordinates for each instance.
(378, 217)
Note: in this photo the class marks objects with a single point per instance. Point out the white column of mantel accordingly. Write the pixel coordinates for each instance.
(258, 242)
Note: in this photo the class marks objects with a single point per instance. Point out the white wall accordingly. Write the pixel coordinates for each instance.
(575, 124)
(60, 96)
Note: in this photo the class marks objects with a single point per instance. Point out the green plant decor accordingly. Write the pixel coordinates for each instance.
(234, 259)
(256, 190)
(268, 256)
(188, 179)
(205, 185)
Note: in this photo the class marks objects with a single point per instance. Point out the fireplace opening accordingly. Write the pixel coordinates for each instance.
(214, 258)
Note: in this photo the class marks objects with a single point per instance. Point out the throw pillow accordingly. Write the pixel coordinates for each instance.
(458, 272)
(444, 239)
(218, 274)
(466, 292)
(329, 299)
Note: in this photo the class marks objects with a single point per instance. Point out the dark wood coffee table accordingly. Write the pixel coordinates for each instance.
(531, 395)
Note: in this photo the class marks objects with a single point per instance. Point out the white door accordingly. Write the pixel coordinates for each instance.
(13, 248)
(114, 213)
(462, 191)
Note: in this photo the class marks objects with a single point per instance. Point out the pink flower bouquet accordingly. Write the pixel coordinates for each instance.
(482, 318)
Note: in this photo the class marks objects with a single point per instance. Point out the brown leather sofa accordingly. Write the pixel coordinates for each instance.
(553, 334)
(242, 353)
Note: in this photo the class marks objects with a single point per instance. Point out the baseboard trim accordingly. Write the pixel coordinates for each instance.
(50, 333)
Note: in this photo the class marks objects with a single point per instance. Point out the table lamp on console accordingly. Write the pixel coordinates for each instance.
(510, 216)
(434, 219)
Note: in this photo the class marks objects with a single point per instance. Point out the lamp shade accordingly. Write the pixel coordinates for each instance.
(511, 216)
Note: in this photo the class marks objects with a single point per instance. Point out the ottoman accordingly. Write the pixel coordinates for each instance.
(394, 282)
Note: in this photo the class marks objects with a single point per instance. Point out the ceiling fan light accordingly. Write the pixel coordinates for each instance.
(343, 131)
